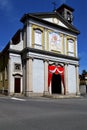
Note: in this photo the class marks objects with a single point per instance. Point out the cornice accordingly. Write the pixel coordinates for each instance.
(37, 51)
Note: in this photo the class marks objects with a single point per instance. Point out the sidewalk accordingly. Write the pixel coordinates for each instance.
(54, 96)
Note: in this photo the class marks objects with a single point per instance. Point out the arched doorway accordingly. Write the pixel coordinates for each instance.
(56, 84)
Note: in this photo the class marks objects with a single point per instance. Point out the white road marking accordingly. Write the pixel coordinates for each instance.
(18, 99)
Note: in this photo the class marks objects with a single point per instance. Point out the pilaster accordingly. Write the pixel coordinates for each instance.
(46, 77)
(28, 35)
(29, 77)
(66, 78)
(77, 80)
(9, 76)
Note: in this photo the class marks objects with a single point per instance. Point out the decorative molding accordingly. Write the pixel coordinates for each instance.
(17, 74)
(36, 27)
(32, 58)
(46, 60)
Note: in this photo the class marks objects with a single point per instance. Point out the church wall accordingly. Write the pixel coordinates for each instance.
(76, 49)
(18, 46)
(14, 59)
(70, 72)
(71, 79)
(18, 43)
(41, 44)
(1, 73)
(66, 45)
(38, 76)
(64, 48)
(24, 37)
(45, 39)
(4, 72)
(28, 35)
(24, 76)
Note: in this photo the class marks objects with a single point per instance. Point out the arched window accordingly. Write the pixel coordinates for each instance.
(37, 38)
(71, 48)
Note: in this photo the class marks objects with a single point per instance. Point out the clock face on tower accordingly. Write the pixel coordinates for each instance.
(55, 20)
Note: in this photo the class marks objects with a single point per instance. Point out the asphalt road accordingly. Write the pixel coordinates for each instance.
(43, 114)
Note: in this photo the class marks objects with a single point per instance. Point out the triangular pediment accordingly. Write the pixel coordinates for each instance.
(56, 21)
(54, 18)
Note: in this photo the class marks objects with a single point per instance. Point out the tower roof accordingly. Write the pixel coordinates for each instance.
(65, 6)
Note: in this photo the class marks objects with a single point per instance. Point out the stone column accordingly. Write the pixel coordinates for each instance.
(9, 76)
(29, 77)
(45, 37)
(65, 45)
(76, 49)
(46, 77)
(20, 36)
(66, 78)
(27, 36)
(77, 80)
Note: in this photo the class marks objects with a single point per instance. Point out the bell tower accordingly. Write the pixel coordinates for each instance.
(66, 12)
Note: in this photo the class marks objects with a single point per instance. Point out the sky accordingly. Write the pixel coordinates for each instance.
(11, 12)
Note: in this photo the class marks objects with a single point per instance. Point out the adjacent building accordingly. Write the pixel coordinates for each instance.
(42, 57)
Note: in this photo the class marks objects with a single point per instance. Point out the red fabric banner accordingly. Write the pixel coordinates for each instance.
(57, 70)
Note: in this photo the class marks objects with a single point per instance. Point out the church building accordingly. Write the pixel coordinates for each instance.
(42, 57)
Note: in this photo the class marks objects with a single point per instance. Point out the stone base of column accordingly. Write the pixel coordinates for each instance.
(10, 93)
(78, 93)
(67, 93)
(28, 93)
(46, 93)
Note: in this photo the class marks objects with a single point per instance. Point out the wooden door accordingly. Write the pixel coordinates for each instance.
(17, 85)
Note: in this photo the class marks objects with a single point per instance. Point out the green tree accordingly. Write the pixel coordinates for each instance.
(84, 73)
